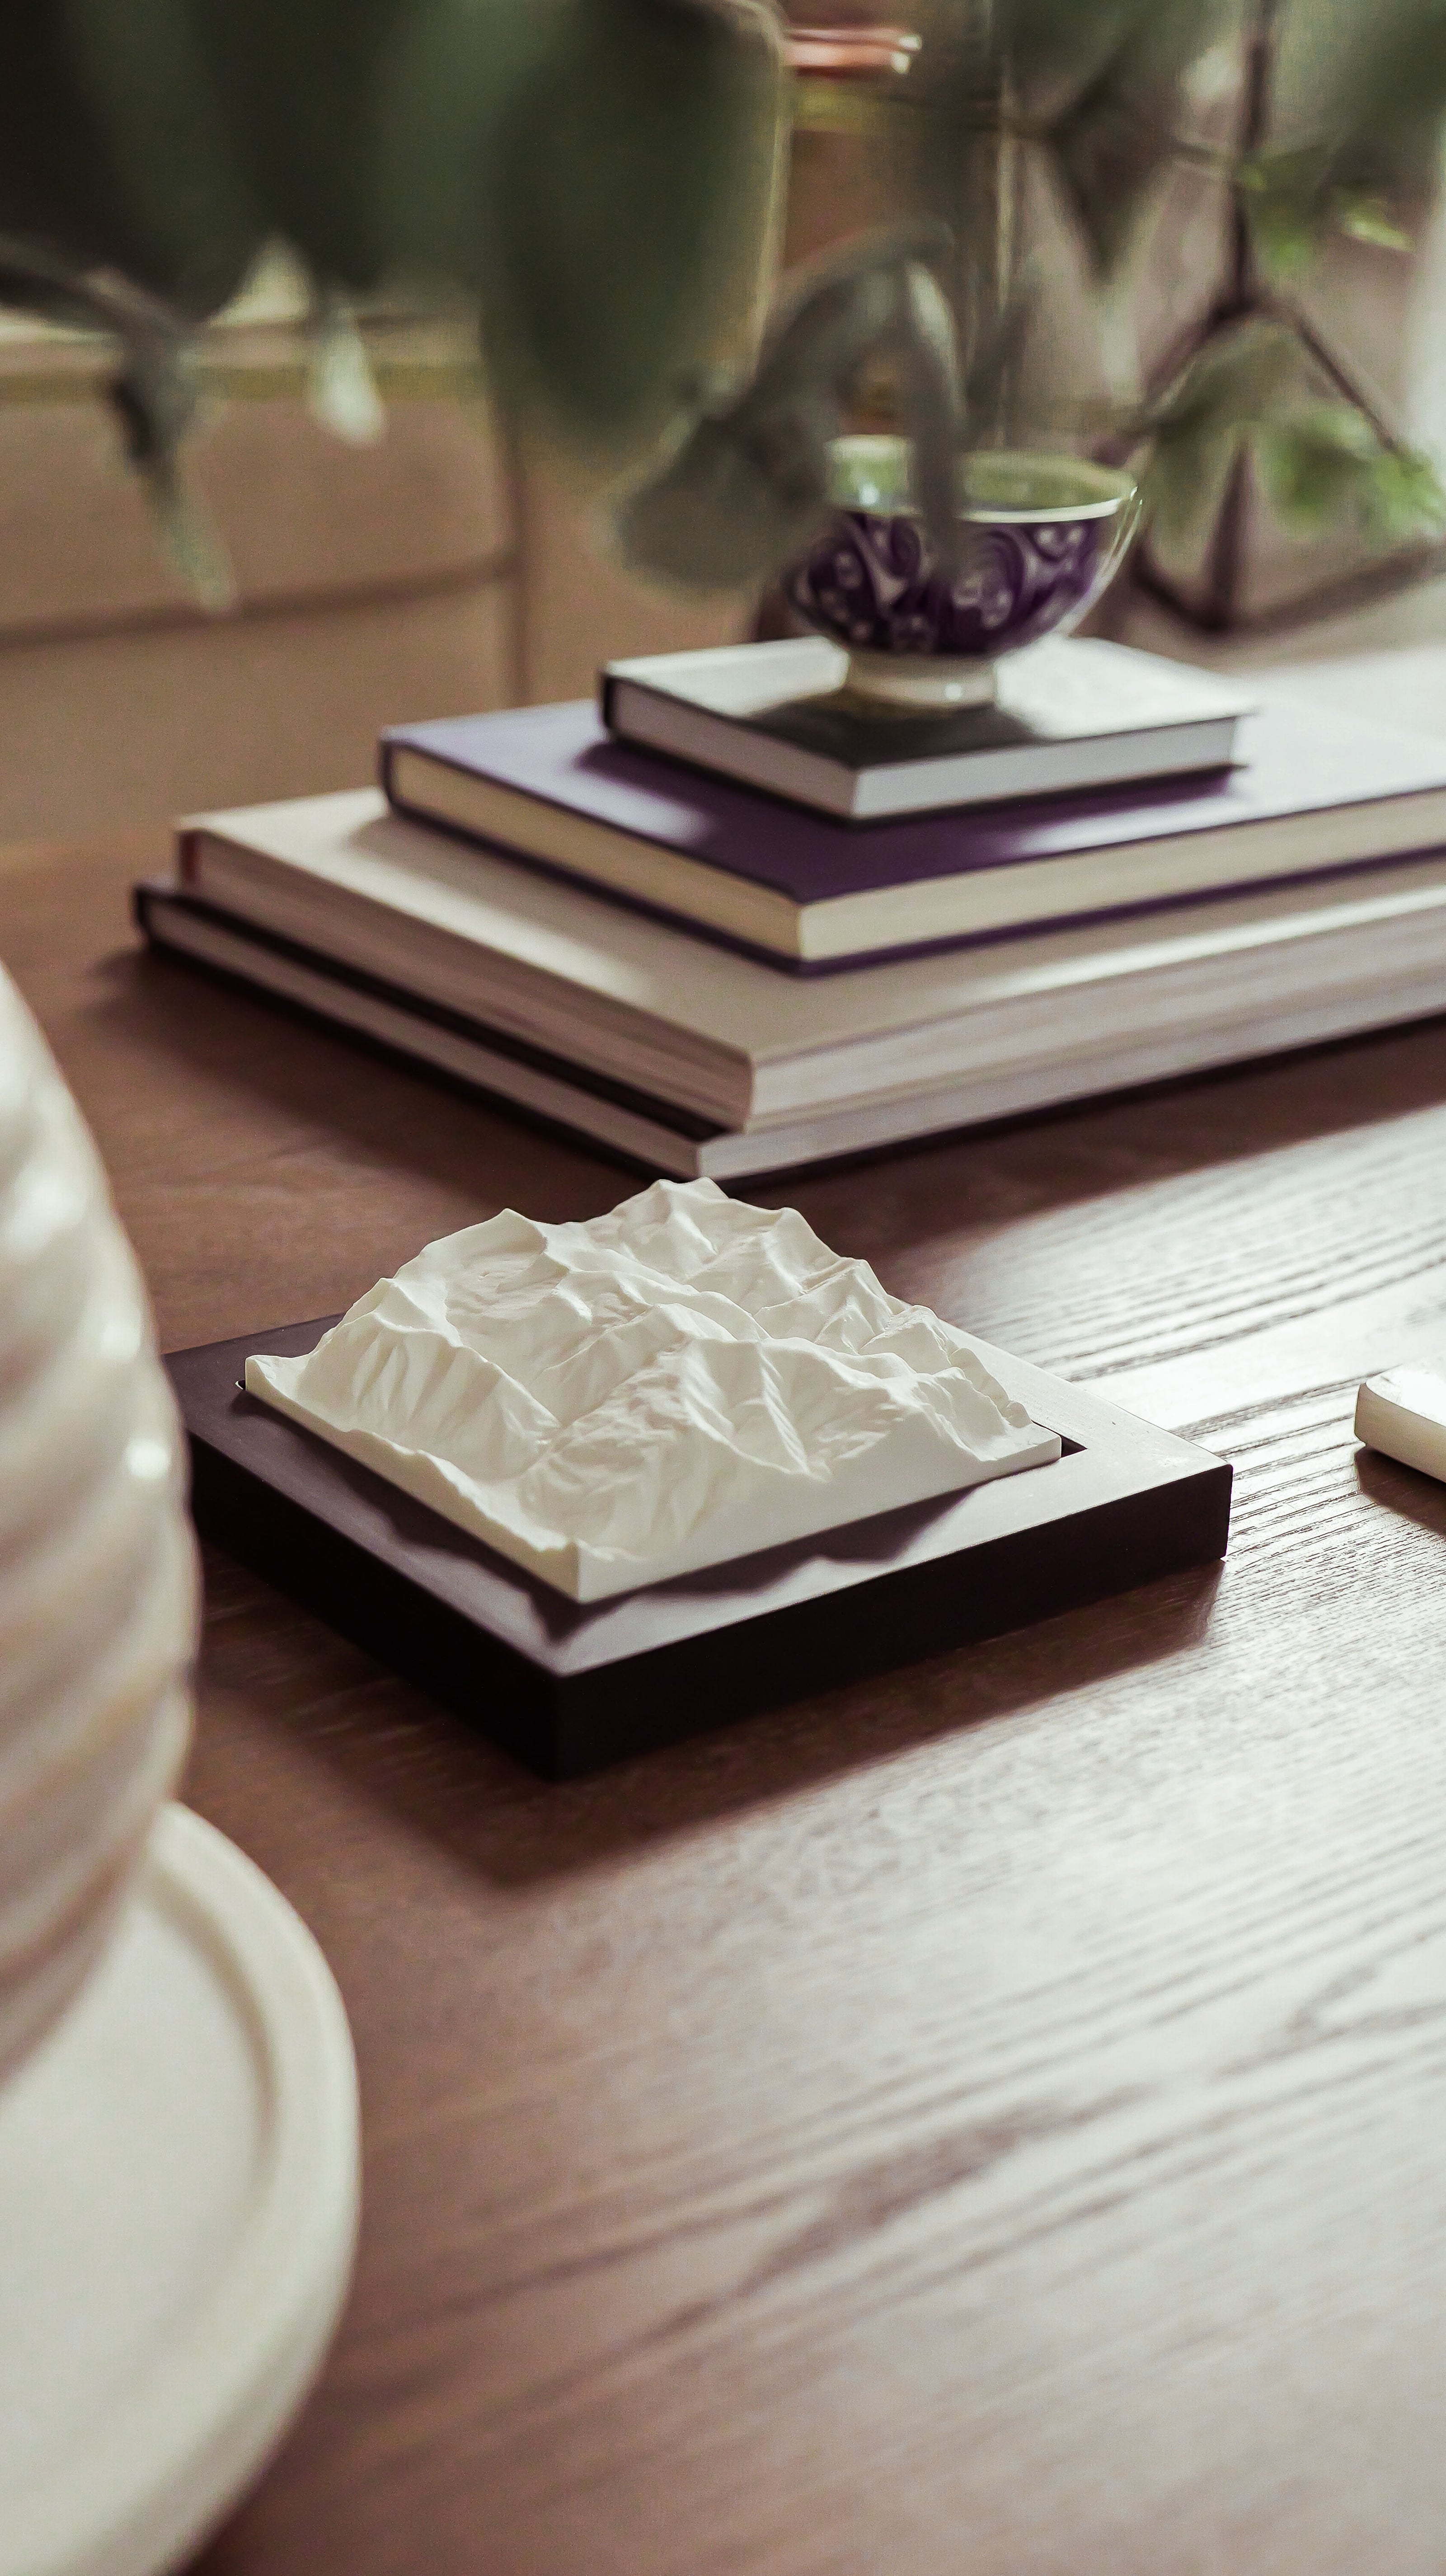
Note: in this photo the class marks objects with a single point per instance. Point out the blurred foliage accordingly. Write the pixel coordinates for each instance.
(1225, 399)
(597, 183)
(1323, 461)
(621, 256)
(1116, 134)
(747, 483)
(1294, 201)
(1108, 97)
(1098, 86)
(597, 179)
(1383, 112)
(113, 157)
(1102, 94)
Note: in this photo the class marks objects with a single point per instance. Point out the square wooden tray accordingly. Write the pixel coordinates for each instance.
(568, 1687)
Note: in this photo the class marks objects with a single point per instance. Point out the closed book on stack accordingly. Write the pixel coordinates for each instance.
(691, 1058)
(1071, 714)
(552, 788)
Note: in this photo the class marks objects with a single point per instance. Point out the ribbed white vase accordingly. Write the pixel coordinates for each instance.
(97, 1566)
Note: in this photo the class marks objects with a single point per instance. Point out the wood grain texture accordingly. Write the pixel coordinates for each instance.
(988, 2120)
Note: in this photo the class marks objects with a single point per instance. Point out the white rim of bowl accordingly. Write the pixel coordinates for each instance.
(991, 513)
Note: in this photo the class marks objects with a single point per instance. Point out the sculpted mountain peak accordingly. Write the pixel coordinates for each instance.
(680, 1382)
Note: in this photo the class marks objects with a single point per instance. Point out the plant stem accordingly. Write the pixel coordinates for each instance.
(1337, 374)
(1256, 99)
(1242, 297)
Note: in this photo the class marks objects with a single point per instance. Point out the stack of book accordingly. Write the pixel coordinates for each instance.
(729, 922)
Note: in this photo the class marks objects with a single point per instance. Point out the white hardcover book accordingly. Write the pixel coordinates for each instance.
(1072, 713)
(682, 1032)
(1373, 965)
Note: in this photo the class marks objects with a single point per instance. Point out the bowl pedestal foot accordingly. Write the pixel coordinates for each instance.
(920, 687)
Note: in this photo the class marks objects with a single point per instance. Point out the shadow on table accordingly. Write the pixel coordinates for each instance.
(437, 1776)
(388, 1107)
(1403, 1490)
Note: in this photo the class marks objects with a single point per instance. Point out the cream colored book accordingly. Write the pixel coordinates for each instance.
(369, 915)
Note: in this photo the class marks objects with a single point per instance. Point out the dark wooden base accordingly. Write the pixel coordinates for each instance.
(569, 1687)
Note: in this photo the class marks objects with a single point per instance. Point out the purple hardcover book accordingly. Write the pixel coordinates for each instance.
(1316, 792)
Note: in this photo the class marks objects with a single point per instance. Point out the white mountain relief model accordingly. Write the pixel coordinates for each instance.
(676, 1384)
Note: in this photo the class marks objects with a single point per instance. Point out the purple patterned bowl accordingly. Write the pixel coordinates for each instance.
(1044, 536)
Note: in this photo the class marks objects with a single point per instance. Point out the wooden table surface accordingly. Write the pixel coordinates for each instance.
(988, 2122)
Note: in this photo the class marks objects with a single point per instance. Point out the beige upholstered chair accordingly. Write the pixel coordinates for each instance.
(428, 574)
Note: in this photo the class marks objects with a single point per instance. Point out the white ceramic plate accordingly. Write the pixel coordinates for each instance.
(178, 2202)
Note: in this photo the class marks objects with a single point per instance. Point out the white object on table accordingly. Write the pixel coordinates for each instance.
(179, 2183)
(675, 1384)
(1403, 1414)
(97, 1562)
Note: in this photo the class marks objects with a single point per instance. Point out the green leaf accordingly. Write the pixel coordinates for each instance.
(1393, 76)
(303, 82)
(1224, 398)
(745, 485)
(112, 150)
(933, 405)
(1294, 202)
(1321, 462)
(452, 71)
(1285, 199)
(1365, 217)
(1324, 463)
(154, 401)
(632, 199)
(1314, 464)
(1112, 141)
(1406, 498)
(163, 133)
(193, 541)
(341, 389)
(1382, 114)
